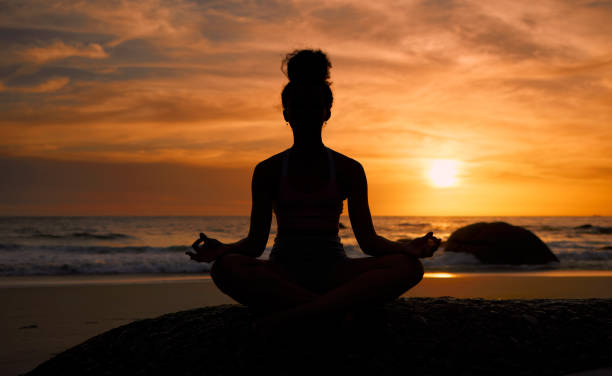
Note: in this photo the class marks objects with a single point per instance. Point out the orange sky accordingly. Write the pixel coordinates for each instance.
(166, 107)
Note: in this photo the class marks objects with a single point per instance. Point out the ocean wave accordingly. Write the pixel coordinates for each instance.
(66, 245)
(586, 255)
(450, 259)
(170, 260)
(410, 224)
(16, 260)
(591, 229)
(564, 245)
(582, 229)
(92, 249)
(110, 235)
(545, 228)
(89, 267)
(36, 234)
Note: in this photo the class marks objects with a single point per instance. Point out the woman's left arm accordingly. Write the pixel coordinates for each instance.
(363, 228)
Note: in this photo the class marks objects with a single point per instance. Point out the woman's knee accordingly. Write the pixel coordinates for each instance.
(409, 266)
(420, 269)
(225, 268)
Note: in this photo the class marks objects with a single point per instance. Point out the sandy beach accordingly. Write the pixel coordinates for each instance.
(44, 316)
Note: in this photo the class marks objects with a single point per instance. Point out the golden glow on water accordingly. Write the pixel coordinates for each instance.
(439, 275)
(516, 274)
(442, 172)
(130, 279)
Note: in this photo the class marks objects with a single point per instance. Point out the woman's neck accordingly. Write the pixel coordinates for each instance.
(307, 146)
(308, 143)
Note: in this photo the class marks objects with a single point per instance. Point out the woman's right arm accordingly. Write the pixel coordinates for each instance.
(361, 220)
(261, 217)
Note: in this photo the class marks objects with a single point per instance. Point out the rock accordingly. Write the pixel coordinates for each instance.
(341, 225)
(500, 243)
(432, 336)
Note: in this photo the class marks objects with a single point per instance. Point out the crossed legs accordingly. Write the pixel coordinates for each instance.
(356, 283)
(259, 284)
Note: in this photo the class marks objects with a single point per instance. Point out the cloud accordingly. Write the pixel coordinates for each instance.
(52, 84)
(59, 50)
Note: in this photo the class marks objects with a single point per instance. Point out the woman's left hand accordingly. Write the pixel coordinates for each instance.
(424, 246)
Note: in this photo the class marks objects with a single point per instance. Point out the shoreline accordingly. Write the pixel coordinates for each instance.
(154, 278)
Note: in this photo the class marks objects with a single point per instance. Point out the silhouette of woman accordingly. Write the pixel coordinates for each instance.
(308, 275)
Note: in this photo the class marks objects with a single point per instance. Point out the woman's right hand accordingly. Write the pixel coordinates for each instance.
(207, 252)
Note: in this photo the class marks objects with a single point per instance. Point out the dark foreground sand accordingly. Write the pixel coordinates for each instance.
(416, 336)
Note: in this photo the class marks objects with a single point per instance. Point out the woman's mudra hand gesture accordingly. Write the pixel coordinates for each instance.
(207, 252)
(424, 246)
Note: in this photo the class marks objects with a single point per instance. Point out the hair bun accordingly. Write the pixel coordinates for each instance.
(307, 66)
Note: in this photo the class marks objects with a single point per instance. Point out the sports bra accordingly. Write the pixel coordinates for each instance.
(302, 213)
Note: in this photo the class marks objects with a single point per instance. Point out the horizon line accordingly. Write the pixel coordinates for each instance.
(248, 215)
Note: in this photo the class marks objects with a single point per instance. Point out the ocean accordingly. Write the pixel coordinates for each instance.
(143, 245)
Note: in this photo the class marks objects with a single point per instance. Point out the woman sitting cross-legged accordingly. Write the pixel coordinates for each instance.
(308, 275)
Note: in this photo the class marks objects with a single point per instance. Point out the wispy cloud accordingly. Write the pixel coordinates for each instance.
(59, 50)
(52, 84)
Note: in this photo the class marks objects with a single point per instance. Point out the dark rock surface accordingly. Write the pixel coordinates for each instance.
(500, 243)
(416, 336)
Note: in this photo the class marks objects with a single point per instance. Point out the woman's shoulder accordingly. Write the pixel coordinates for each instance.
(349, 172)
(345, 163)
(270, 166)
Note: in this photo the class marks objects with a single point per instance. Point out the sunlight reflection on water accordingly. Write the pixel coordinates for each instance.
(439, 275)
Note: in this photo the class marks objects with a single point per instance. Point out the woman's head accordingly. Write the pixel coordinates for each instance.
(307, 98)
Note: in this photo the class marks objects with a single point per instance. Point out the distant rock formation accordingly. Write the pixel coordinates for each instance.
(433, 336)
(500, 243)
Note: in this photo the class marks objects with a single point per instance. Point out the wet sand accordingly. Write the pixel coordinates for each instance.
(43, 316)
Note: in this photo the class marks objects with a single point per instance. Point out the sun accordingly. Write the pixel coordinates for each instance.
(442, 172)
